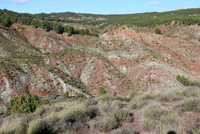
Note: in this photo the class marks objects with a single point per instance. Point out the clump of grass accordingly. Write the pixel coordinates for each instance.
(191, 105)
(112, 98)
(121, 115)
(113, 121)
(13, 126)
(133, 105)
(41, 126)
(159, 120)
(3, 111)
(132, 94)
(142, 103)
(167, 96)
(76, 116)
(107, 124)
(152, 95)
(106, 107)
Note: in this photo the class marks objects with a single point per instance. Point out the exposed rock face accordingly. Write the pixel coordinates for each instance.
(40, 62)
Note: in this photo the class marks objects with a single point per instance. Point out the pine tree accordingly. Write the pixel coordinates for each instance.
(59, 29)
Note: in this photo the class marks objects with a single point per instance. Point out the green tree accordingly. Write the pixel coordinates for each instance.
(6, 22)
(82, 32)
(66, 29)
(35, 23)
(13, 20)
(71, 30)
(46, 25)
(59, 29)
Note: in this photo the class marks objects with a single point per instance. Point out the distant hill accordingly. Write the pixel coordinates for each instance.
(151, 19)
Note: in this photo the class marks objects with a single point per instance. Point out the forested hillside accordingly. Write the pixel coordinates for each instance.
(152, 19)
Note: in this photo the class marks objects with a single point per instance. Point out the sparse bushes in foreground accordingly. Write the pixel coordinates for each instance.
(106, 114)
(159, 120)
(26, 104)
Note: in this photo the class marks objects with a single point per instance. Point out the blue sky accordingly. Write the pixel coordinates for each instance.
(97, 6)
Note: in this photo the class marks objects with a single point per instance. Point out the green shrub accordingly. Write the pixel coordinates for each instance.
(185, 81)
(80, 96)
(26, 104)
(182, 79)
(191, 105)
(102, 91)
(158, 31)
(66, 95)
(115, 94)
(196, 83)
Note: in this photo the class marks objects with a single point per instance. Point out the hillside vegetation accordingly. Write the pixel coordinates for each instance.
(153, 112)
